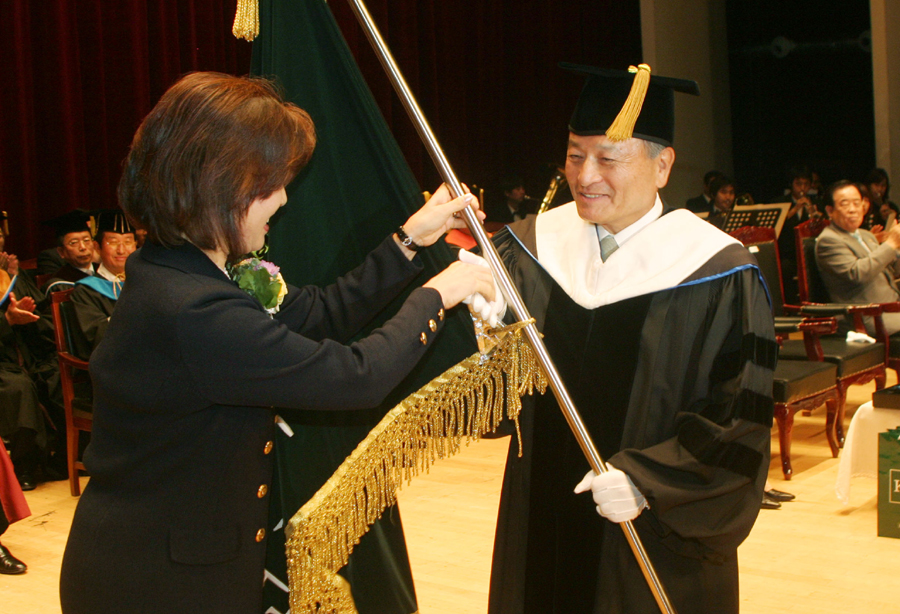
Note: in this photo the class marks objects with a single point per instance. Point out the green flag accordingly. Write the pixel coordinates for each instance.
(356, 190)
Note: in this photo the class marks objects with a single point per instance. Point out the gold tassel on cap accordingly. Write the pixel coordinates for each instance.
(246, 20)
(623, 126)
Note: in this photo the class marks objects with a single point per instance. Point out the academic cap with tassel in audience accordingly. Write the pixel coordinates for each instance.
(112, 220)
(624, 104)
(77, 220)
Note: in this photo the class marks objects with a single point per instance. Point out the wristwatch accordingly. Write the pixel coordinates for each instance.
(406, 241)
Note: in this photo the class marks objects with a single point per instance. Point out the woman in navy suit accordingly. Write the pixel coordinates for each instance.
(192, 366)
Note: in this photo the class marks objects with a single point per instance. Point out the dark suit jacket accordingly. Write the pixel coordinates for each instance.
(186, 385)
(698, 204)
(500, 212)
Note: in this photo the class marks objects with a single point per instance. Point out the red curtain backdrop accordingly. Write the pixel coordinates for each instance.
(485, 74)
(79, 75)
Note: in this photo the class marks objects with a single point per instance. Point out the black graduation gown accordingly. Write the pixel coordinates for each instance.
(684, 408)
(92, 310)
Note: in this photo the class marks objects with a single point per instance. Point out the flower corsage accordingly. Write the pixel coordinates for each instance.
(262, 280)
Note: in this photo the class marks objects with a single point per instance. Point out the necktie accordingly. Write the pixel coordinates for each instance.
(607, 246)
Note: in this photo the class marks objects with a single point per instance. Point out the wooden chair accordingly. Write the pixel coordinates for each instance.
(857, 363)
(797, 384)
(78, 408)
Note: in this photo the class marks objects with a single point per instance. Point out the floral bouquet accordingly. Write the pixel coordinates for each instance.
(262, 280)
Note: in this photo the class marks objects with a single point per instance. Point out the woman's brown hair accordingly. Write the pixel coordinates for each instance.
(212, 145)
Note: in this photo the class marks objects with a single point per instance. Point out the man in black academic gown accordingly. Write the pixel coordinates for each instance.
(661, 328)
(94, 297)
(75, 247)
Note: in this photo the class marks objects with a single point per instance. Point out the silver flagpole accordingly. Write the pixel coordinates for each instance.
(508, 288)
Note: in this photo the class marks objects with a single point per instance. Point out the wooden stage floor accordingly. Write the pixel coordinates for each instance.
(813, 555)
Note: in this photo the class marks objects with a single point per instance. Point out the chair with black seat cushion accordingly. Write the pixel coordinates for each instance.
(75, 382)
(800, 384)
(857, 363)
(804, 385)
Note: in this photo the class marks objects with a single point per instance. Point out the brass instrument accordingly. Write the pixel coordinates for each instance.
(558, 181)
(744, 200)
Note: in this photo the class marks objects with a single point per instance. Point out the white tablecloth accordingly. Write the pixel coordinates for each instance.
(860, 455)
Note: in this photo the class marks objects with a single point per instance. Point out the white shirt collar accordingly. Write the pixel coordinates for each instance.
(623, 235)
(105, 273)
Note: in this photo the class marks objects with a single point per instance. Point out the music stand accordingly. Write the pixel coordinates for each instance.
(767, 216)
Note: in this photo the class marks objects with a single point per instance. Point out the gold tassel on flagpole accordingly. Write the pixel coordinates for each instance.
(623, 126)
(461, 404)
(246, 20)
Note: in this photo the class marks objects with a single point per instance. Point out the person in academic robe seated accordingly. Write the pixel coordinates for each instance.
(13, 508)
(75, 247)
(94, 297)
(203, 348)
(21, 419)
(660, 326)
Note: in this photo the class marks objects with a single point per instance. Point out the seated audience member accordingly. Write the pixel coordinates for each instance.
(803, 207)
(75, 247)
(13, 507)
(853, 266)
(94, 298)
(514, 206)
(702, 203)
(722, 191)
(21, 418)
(879, 186)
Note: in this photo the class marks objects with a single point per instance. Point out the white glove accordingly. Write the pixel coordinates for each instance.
(616, 496)
(492, 312)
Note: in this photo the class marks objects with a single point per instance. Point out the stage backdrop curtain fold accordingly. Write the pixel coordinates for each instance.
(356, 190)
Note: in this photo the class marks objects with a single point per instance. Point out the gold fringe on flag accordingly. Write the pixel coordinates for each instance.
(463, 403)
(246, 20)
(623, 126)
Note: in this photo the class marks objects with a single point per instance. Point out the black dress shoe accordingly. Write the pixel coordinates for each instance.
(9, 564)
(770, 504)
(779, 495)
(26, 481)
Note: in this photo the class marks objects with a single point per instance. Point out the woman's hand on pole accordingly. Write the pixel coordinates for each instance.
(439, 215)
(460, 280)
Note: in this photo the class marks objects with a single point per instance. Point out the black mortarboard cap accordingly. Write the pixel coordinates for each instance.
(608, 93)
(112, 220)
(73, 221)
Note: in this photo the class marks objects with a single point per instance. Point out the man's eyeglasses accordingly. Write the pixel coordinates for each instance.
(115, 243)
(76, 242)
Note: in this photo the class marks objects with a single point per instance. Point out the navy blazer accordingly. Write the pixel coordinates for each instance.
(185, 383)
